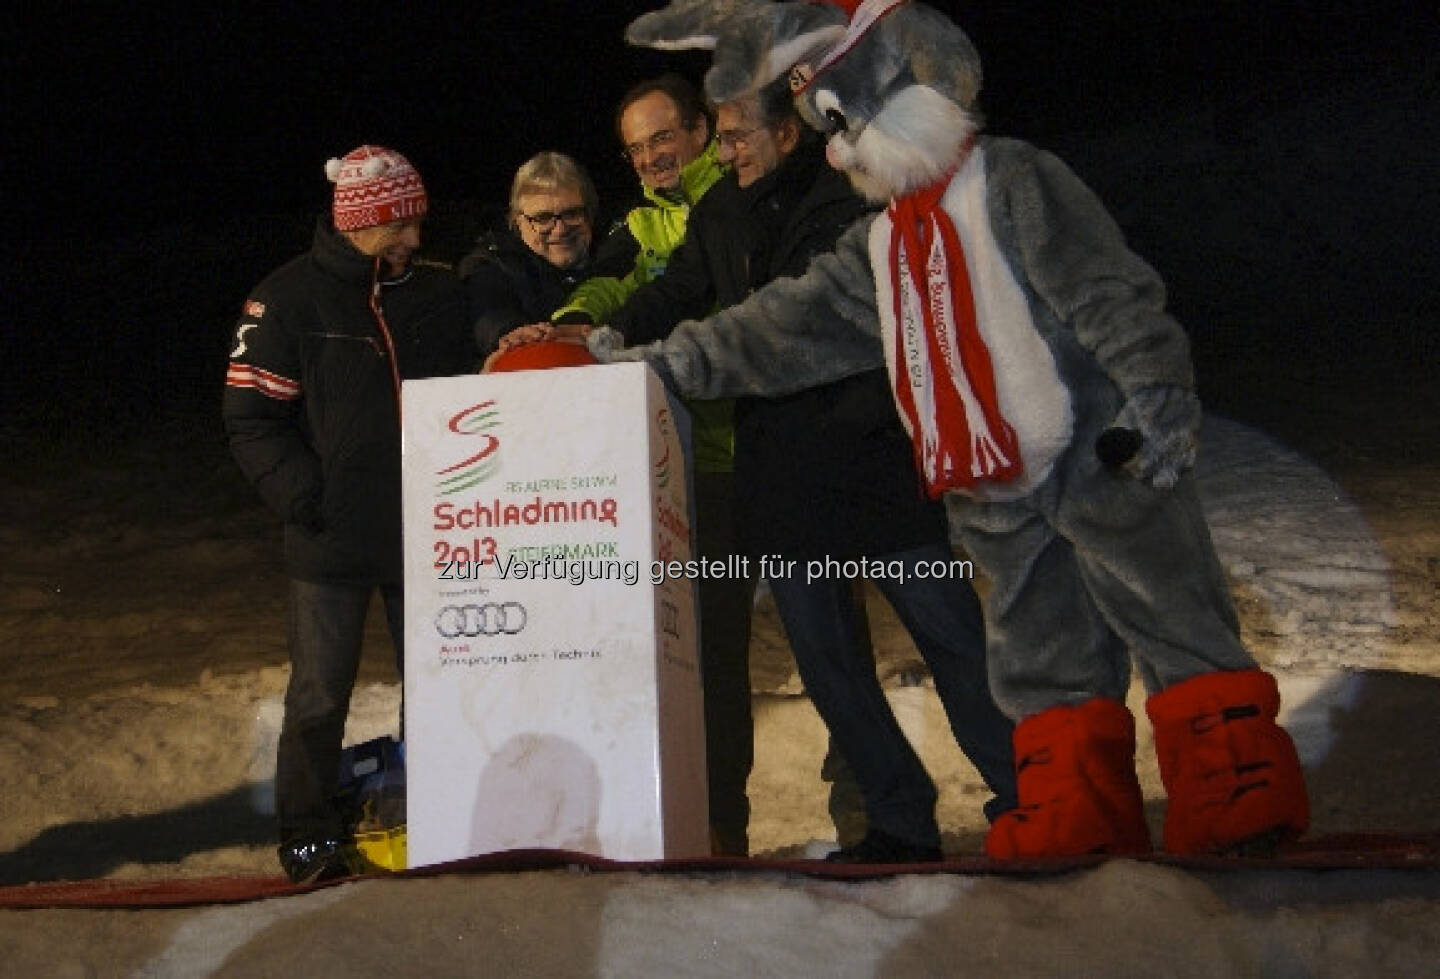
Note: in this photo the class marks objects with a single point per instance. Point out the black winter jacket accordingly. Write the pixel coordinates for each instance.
(311, 402)
(508, 285)
(824, 472)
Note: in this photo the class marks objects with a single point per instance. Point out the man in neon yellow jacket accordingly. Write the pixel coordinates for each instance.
(666, 133)
(667, 136)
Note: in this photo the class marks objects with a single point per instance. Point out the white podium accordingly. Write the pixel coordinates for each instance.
(552, 683)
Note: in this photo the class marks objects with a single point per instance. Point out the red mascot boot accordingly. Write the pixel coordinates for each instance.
(1075, 768)
(1231, 772)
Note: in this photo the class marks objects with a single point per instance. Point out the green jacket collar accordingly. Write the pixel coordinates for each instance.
(696, 177)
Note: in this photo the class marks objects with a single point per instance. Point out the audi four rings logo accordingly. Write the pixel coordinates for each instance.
(490, 619)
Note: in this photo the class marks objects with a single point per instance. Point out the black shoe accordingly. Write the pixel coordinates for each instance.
(879, 846)
(728, 843)
(311, 860)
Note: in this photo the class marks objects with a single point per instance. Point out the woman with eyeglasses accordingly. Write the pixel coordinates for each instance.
(524, 273)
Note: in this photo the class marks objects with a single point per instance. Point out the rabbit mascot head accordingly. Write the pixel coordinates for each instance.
(892, 84)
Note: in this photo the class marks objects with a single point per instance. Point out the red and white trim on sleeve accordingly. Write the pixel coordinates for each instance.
(271, 385)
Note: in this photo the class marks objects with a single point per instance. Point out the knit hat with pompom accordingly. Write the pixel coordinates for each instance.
(374, 186)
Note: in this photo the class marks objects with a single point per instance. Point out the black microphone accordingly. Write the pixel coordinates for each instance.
(1117, 446)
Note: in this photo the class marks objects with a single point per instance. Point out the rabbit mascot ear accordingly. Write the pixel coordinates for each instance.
(755, 41)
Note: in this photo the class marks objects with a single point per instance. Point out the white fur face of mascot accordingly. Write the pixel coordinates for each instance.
(1018, 329)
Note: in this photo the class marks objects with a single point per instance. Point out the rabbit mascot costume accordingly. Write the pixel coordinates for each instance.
(1050, 399)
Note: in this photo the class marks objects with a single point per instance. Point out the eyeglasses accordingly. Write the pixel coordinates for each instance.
(545, 220)
(736, 139)
(657, 143)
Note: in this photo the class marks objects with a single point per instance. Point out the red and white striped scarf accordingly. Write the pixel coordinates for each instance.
(944, 381)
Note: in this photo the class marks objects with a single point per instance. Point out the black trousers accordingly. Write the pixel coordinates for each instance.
(725, 607)
(327, 626)
(824, 624)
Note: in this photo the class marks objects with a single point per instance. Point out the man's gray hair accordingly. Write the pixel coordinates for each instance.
(552, 171)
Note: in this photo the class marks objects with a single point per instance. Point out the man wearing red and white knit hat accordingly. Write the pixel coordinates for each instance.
(312, 411)
(379, 203)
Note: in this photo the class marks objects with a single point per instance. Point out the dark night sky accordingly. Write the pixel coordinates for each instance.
(137, 140)
(225, 107)
(176, 110)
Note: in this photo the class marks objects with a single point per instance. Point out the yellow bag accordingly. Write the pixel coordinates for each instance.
(371, 793)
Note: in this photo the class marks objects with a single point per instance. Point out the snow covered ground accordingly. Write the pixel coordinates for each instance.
(138, 718)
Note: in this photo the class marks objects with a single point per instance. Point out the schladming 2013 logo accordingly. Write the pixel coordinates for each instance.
(488, 619)
(476, 421)
(665, 426)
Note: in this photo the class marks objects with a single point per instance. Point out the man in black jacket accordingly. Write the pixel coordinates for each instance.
(523, 273)
(312, 410)
(827, 475)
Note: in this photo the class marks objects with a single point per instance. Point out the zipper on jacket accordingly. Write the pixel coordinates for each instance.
(384, 331)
